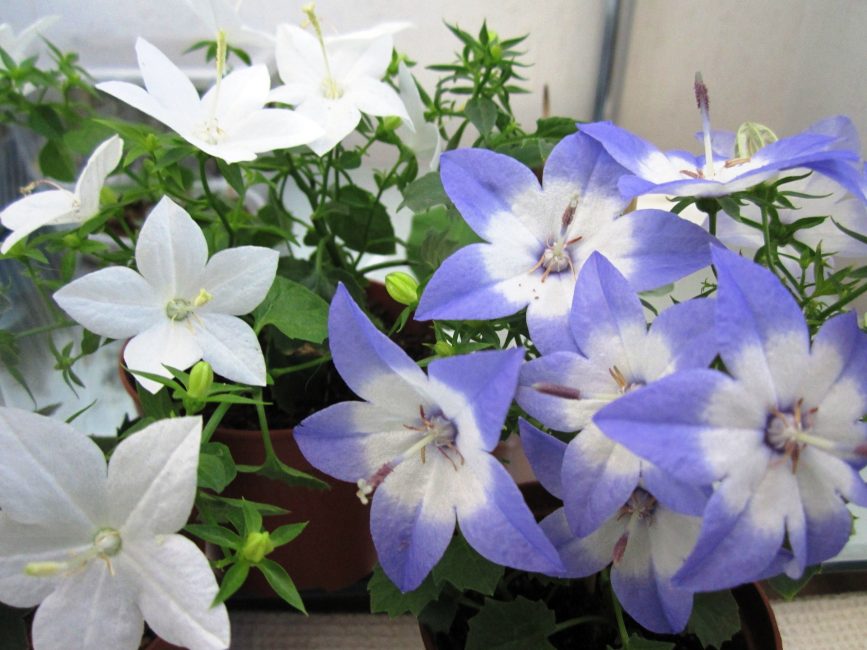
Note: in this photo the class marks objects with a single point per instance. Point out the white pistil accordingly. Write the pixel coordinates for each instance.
(703, 101)
(210, 130)
(330, 88)
(106, 544)
(178, 309)
(556, 258)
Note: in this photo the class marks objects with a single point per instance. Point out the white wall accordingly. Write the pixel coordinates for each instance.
(784, 63)
(564, 43)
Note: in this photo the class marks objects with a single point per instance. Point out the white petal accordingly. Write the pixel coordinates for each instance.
(171, 252)
(357, 58)
(241, 92)
(49, 472)
(21, 544)
(239, 279)
(375, 98)
(164, 80)
(176, 587)
(272, 128)
(115, 302)
(34, 211)
(138, 98)
(231, 347)
(152, 477)
(100, 164)
(167, 343)
(91, 610)
(337, 117)
(299, 57)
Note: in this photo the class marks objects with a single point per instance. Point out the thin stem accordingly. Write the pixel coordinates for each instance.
(383, 265)
(842, 302)
(580, 620)
(263, 426)
(618, 613)
(279, 372)
(214, 421)
(44, 328)
(213, 201)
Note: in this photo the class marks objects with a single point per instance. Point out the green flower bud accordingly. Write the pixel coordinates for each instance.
(391, 123)
(444, 349)
(201, 378)
(402, 287)
(496, 52)
(256, 547)
(751, 137)
(71, 240)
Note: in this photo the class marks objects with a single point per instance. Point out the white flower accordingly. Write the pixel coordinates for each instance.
(334, 80)
(229, 122)
(183, 307)
(96, 548)
(420, 136)
(17, 46)
(223, 15)
(60, 206)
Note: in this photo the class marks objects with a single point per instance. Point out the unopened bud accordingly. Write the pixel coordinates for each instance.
(391, 123)
(751, 137)
(201, 379)
(444, 349)
(402, 287)
(257, 546)
(496, 51)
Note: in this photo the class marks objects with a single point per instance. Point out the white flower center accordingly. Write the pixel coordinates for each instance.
(106, 544)
(178, 309)
(209, 131)
(436, 430)
(556, 257)
(641, 504)
(331, 89)
(788, 432)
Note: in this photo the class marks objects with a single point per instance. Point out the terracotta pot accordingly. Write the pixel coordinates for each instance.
(335, 550)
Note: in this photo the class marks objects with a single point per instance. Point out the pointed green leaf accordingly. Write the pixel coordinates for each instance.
(482, 112)
(232, 581)
(285, 534)
(216, 466)
(714, 618)
(294, 310)
(215, 534)
(788, 588)
(464, 568)
(424, 193)
(281, 583)
(386, 597)
(514, 625)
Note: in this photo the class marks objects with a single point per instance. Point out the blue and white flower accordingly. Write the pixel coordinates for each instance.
(780, 437)
(537, 238)
(422, 443)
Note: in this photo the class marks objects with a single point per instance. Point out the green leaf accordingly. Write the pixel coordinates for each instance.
(215, 534)
(45, 121)
(714, 618)
(640, 643)
(424, 193)
(294, 310)
(555, 127)
(514, 625)
(855, 235)
(252, 518)
(788, 588)
(531, 151)
(361, 221)
(232, 581)
(233, 176)
(482, 112)
(386, 597)
(56, 162)
(434, 235)
(439, 614)
(464, 568)
(285, 534)
(216, 466)
(277, 470)
(281, 583)
(13, 630)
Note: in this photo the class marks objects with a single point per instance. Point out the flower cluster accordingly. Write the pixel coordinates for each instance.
(691, 393)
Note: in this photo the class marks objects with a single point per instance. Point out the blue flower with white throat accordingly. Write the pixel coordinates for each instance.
(419, 449)
(779, 436)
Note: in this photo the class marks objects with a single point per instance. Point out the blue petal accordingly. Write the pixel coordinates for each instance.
(687, 330)
(351, 440)
(499, 525)
(582, 556)
(652, 247)
(487, 382)
(636, 154)
(465, 287)
(411, 524)
(839, 127)
(580, 161)
(672, 493)
(371, 364)
(548, 313)
(598, 476)
(672, 423)
(558, 389)
(844, 173)
(545, 453)
(606, 312)
(483, 185)
(762, 335)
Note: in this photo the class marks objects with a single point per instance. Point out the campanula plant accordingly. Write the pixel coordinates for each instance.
(691, 395)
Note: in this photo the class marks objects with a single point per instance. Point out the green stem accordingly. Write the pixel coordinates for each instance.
(44, 328)
(279, 372)
(214, 421)
(213, 201)
(263, 426)
(580, 620)
(383, 265)
(842, 302)
(618, 613)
